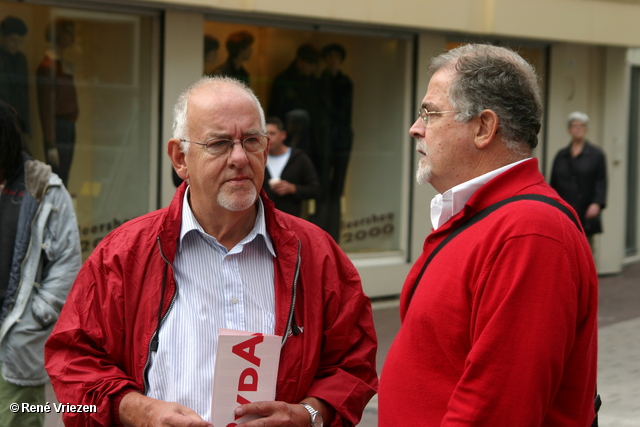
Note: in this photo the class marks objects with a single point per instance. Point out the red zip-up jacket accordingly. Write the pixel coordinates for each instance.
(100, 347)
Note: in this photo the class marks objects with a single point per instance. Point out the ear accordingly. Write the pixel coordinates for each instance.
(487, 129)
(177, 158)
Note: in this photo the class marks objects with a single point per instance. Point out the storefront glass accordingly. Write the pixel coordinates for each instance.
(82, 82)
(349, 93)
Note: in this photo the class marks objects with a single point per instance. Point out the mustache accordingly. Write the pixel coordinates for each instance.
(421, 146)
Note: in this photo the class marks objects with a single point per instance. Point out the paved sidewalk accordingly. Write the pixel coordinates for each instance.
(619, 374)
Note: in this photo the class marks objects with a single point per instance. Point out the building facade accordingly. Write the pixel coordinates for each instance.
(129, 61)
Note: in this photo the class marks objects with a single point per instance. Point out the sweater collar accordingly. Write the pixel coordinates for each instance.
(511, 182)
(446, 205)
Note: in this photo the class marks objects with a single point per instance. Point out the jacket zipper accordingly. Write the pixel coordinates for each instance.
(160, 321)
(290, 324)
(293, 304)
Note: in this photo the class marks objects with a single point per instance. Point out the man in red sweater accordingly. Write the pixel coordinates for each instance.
(501, 328)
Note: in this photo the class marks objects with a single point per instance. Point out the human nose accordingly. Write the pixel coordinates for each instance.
(238, 155)
(418, 128)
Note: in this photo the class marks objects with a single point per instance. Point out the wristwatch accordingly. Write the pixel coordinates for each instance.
(316, 418)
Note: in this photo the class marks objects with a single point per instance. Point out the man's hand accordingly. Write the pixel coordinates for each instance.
(137, 410)
(282, 187)
(274, 414)
(53, 158)
(284, 414)
(592, 211)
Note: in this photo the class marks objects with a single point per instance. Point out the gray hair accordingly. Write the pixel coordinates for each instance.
(180, 109)
(497, 79)
(577, 116)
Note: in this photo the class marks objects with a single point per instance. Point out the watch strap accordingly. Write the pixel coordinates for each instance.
(316, 418)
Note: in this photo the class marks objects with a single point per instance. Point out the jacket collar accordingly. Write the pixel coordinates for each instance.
(170, 231)
(278, 227)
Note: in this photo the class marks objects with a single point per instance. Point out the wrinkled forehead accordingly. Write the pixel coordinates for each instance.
(224, 108)
(438, 89)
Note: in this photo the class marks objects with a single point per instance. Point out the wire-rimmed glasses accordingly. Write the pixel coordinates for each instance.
(219, 147)
(424, 114)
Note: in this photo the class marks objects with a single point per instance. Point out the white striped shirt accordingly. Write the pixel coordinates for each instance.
(216, 289)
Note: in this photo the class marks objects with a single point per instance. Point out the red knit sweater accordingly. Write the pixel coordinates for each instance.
(502, 329)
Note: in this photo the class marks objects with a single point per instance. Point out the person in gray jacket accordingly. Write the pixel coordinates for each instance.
(39, 260)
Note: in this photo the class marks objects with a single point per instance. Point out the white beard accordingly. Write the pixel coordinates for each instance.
(239, 200)
(423, 174)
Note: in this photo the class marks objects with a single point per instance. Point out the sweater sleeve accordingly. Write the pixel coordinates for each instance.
(527, 304)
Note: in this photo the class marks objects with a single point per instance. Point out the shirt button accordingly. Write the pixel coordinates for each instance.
(432, 239)
(234, 300)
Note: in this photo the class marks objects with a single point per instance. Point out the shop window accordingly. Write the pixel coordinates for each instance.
(354, 126)
(81, 80)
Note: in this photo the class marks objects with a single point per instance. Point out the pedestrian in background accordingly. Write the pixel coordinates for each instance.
(579, 175)
(39, 259)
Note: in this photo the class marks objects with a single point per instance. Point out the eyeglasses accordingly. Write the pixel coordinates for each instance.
(424, 114)
(219, 147)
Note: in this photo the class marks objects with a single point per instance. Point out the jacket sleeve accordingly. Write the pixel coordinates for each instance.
(346, 377)
(85, 354)
(308, 185)
(46, 275)
(61, 245)
(600, 194)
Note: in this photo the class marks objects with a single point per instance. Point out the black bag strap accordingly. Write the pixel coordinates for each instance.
(483, 214)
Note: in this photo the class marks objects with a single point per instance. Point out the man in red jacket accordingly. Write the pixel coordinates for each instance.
(138, 335)
(500, 328)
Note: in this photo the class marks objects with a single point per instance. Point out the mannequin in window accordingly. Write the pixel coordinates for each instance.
(211, 47)
(57, 98)
(14, 81)
(340, 91)
(298, 88)
(239, 47)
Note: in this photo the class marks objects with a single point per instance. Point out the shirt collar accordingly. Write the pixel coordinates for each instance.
(190, 223)
(445, 206)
